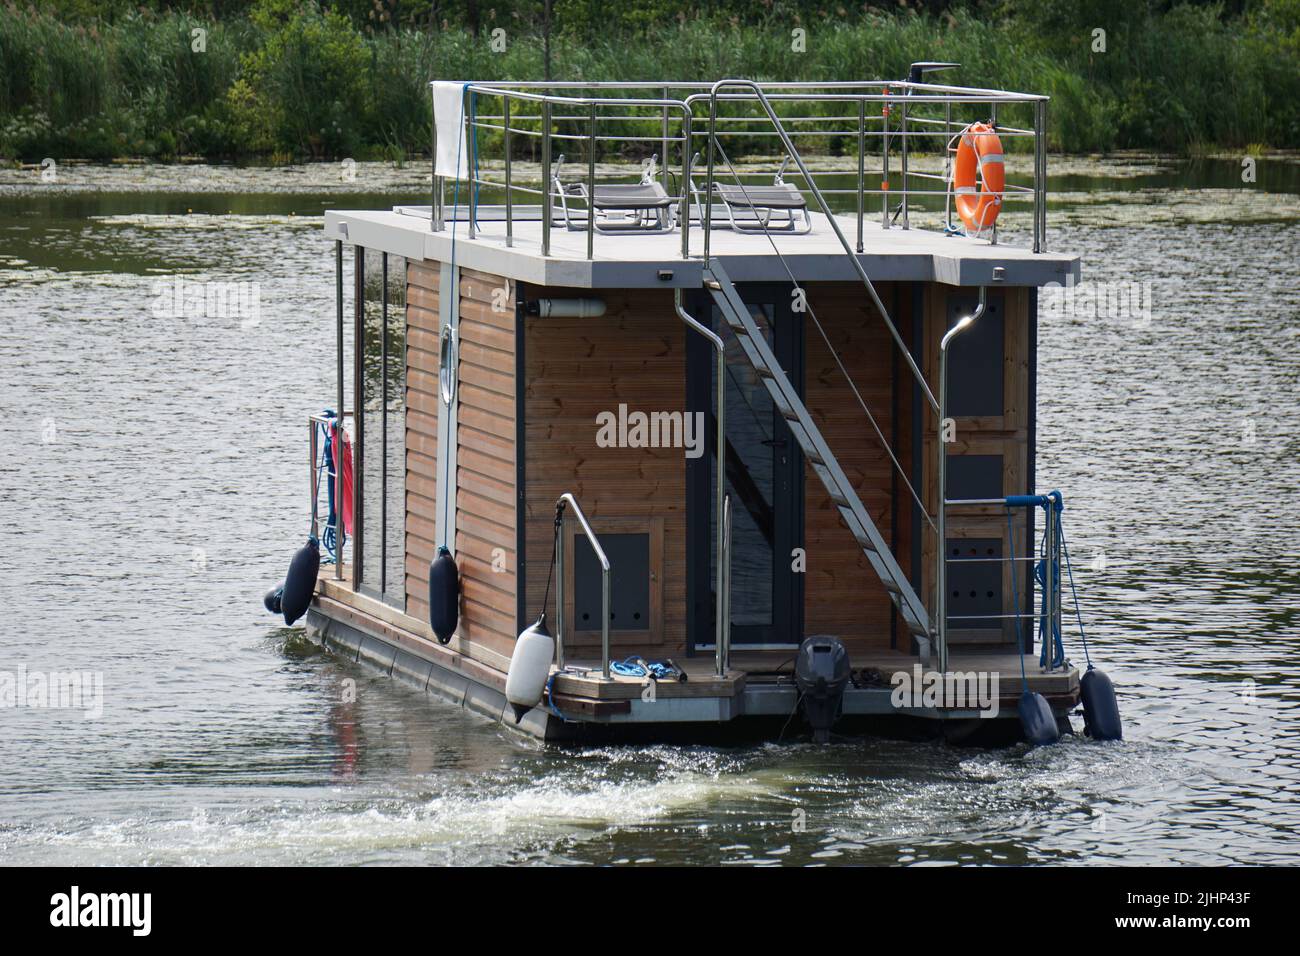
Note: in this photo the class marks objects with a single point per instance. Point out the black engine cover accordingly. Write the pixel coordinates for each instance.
(821, 672)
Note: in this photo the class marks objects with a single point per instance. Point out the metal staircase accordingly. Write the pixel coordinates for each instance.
(815, 449)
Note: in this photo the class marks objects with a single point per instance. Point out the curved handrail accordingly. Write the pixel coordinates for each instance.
(821, 201)
(560, 503)
(722, 501)
(941, 532)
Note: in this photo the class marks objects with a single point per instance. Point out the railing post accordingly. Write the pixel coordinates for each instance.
(684, 214)
(993, 124)
(546, 178)
(337, 444)
(383, 426)
(862, 164)
(604, 621)
(947, 164)
(435, 214)
(724, 589)
(470, 140)
(559, 590)
(510, 222)
(884, 161)
(707, 209)
(1040, 175)
(591, 188)
(1060, 569)
(663, 146)
(903, 169)
(312, 478)
(1049, 586)
(941, 520)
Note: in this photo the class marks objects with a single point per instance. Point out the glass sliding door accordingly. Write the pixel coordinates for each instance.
(394, 430)
(380, 405)
(762, 474)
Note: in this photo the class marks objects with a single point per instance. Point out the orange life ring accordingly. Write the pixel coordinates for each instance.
(979, 158)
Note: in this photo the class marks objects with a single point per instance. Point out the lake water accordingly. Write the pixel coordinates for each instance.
(152, 487)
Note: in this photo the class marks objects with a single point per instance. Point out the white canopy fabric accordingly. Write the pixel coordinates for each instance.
(452, 159)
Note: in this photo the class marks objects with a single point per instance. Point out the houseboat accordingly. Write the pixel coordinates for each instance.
(636, 435)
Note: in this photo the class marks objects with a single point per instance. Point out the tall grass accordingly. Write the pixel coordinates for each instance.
(311, 84)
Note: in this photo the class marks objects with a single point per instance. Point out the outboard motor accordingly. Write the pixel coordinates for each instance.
(1100, 709)
(821, 672)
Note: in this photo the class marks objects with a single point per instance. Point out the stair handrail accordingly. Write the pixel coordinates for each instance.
(821, 201)
(722, 588)
(884, 442)
(941, 532)
(560, 503)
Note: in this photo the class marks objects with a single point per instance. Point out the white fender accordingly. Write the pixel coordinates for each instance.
(530, 666)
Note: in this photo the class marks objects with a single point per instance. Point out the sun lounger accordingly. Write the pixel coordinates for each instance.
(619, 207)
(755, 208)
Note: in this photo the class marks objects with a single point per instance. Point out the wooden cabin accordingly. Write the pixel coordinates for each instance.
(503, 357)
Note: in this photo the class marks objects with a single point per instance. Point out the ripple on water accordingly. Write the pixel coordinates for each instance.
(152, 483)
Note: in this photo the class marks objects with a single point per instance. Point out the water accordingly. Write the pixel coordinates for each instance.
(152, 487)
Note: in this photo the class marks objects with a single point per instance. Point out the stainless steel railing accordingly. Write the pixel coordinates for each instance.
(564, 500)
(902, 116)
(722, 655)
(941, 528)
(845, 111)
(321, 473)
(1050, 586)
(722, 503)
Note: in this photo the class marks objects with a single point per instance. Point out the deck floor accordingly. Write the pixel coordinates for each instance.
(759, 666)
(655, 260)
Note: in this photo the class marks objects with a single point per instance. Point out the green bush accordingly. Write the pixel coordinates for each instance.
(286, 77)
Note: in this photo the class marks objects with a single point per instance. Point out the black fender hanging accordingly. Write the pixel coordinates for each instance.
(1036, 719)
(1100, 708)
(300, 582)
(444, 595)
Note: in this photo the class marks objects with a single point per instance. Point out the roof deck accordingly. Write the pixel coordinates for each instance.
(705, 184)
(654, 260)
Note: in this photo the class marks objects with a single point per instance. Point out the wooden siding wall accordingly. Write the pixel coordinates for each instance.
(842, 595)
(486, 552)
(577, 368)
(422, 305)
(1006, 435)
(485, 455)
(635, 354)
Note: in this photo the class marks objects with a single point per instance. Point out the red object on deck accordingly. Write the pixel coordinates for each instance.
(341, 444)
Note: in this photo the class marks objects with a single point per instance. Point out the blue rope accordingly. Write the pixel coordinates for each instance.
(1074, 595)
(628, 667)
(550, 697)
(1048, 574)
